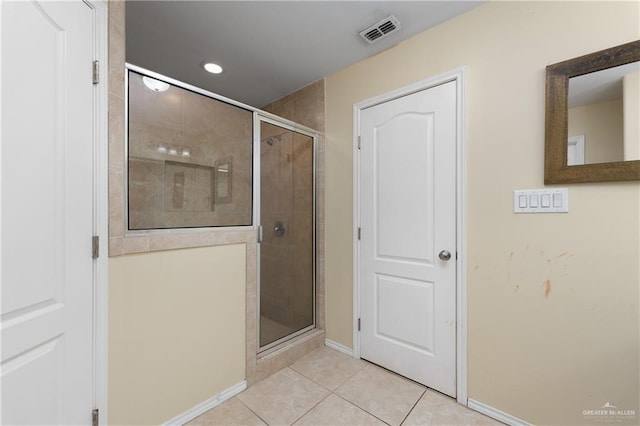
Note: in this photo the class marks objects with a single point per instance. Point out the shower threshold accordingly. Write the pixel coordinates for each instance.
(273, 329)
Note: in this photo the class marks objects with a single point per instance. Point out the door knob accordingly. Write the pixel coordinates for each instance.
(444, 255)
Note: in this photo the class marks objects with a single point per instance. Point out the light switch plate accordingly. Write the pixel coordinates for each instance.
(554, 200)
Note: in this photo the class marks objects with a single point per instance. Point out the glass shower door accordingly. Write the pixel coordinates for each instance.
(287, 250)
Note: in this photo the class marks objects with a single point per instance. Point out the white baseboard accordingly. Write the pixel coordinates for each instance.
(207, 405)
(338, 347)
(495, 413)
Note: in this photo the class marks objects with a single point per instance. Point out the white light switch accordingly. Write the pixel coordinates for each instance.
(522, 201)
(541, 200)
(546, 200)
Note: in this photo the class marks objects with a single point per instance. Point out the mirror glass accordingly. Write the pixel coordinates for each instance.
(224, 178)
(604, 116)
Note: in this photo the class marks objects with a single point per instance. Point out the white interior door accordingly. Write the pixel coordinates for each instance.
(408, 225)
(47, 212)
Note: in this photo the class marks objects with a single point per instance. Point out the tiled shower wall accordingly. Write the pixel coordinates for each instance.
(177, 141)
(306, 106)
(286, 260)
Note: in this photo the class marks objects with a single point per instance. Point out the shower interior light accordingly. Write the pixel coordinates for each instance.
(212, 68)
(162, 148)
(155, 85)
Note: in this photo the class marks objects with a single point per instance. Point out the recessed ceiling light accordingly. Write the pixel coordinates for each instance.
(212, 68)
(155, 85)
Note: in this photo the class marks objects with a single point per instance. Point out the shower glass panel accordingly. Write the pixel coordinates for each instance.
(189, 158)
(287, 251)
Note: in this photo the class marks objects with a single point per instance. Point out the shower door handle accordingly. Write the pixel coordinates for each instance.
(279, 229)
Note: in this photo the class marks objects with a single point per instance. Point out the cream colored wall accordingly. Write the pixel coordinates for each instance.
(178, 334)
(176, 317)
(176, 331)
(602, 126)
(631, 96)
(552, 298)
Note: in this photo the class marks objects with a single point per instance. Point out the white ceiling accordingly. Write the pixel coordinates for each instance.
(268, 49)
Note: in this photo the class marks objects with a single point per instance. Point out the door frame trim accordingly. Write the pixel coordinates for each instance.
(101, 210)
(457, 75)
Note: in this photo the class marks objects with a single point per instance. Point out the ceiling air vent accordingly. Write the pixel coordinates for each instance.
(380, 29)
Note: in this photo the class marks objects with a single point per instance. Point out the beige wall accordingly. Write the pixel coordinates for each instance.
(631, 96)
(178, 333)
(553, 298)
(176, 317)
(601, 124)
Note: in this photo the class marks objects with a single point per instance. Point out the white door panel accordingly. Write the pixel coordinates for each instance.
(398, 174)
(408, 216)
(414, 299)
(47, 212)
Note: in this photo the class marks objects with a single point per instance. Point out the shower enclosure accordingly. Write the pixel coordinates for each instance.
(196, 160)
(287, 219)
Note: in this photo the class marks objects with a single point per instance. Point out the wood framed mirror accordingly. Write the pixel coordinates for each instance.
(618, 163)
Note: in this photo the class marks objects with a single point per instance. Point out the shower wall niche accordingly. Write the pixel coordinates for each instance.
(189, 158)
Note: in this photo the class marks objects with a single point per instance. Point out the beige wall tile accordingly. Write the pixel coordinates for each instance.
(116, 130)
(116, 202)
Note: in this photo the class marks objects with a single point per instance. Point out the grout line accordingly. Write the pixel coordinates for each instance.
(309, 410)
(330, 392)
(249, 408)
(414, 406)
(362, 409)
(320, 384)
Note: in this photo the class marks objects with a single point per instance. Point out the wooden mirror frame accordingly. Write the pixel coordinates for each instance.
(556, 169)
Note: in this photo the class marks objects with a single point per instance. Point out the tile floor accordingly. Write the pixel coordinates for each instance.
(327, 387)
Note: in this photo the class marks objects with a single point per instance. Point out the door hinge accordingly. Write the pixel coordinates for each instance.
(359, 233)
(358, 324)
(359, 142)
(260, 234)
(95, 417)
(95, 247)
(96, 72)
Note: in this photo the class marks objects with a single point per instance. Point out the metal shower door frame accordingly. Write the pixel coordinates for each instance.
(258, 119)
